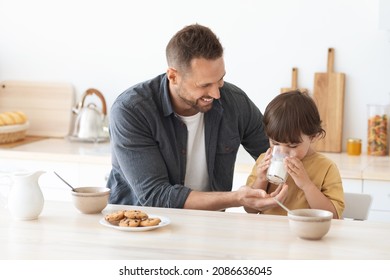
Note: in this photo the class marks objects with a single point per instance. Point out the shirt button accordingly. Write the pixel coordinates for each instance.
(183, 151)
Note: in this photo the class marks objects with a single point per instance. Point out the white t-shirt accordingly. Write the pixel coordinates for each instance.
(197, 177)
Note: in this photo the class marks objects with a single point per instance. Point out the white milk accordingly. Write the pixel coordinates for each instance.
(277, 173)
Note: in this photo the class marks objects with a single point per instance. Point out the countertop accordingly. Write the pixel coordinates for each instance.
(63, 233)
(59, 149)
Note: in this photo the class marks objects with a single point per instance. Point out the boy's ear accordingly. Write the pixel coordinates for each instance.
(315, 138)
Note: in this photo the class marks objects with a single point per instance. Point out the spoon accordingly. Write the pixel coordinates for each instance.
(73, 189)
(282, 205)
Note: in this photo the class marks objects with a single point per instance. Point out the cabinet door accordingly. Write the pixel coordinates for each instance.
(94, 175)
(380, 191)
(353, 185)
(382, 216)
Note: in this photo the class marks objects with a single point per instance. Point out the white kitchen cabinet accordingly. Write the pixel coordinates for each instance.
(76, 174)
(380, 216)
(94, 175)
(384, 14)
(352, 185)
(380, 191)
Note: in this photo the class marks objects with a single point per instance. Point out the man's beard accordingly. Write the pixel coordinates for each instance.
(194, 105)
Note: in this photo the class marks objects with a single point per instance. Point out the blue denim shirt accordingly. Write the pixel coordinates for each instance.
(149, 142)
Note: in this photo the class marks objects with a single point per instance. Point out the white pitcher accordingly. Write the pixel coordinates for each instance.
(25, 199)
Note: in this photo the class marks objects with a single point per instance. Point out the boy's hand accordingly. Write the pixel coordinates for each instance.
(263, 166)
(298, 172)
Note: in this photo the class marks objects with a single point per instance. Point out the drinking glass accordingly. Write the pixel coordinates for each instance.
(277, 173)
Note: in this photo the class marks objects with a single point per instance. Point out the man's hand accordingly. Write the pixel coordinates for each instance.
(257, 200)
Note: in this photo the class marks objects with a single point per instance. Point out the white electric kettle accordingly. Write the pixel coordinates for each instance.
(91, 122)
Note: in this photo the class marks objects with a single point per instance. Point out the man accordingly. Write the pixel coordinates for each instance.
(175, 137)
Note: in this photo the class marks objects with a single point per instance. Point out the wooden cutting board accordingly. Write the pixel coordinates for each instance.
(294, 82)
(328, 94)
(48, 106)
(27, 140)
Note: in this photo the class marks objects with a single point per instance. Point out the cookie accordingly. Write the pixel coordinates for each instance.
(135, 214)
(149, 222)
(126, 222)
(115, 216)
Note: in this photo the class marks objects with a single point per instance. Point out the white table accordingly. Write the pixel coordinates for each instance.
(62, 233)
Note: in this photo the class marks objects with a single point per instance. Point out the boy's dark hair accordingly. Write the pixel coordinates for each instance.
(291, 114)
(193, 41)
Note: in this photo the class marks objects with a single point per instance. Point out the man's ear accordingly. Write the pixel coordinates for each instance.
(172, 75)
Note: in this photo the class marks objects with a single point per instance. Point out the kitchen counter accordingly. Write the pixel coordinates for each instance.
(351, 167)
(63, 233)
(59, 149)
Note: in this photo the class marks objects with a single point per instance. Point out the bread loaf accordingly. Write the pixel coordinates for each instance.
(12, 118)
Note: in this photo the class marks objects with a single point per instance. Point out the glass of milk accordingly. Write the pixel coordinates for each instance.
(277, 173)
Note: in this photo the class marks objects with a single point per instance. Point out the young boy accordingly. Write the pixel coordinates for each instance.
(292, 121)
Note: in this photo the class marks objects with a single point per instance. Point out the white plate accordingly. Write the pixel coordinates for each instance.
(164, 222)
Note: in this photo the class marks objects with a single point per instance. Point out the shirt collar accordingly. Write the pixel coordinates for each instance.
(166, 99)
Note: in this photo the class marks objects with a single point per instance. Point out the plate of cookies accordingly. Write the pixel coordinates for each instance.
(133, 220)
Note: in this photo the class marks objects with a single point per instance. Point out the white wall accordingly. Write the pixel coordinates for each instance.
(111, 45)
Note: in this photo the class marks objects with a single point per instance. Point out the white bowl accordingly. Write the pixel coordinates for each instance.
(310, 224)
(90, 200)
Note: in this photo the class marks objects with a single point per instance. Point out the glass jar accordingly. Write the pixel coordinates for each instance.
(354, 147)
(377, 130)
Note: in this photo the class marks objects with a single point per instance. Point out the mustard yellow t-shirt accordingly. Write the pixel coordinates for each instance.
(323, 173)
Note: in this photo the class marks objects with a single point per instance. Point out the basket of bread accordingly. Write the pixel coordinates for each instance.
(13, 126)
